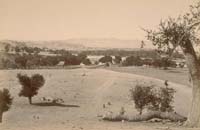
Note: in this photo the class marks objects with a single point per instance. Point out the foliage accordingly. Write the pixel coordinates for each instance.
(82, 56)
(86, 61)
(5, 100)
(30, 85)
(118, 59)
(163, 62)
(153, 99)
(21, 61)
(133, 60)
(8, 63)
(105, 59)
(166, 98)
(173, 33)
(72, 60)
(7, 47)
(141, 96)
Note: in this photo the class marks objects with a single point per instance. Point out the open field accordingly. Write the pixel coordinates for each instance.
(84, 92)
(176, 75)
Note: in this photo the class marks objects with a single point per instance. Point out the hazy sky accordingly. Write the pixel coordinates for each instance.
(64, 19)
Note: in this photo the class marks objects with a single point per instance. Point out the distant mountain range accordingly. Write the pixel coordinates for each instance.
(81, 44)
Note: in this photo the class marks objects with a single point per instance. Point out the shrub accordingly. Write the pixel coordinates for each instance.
(163, 62)
(106, 59)
(152, 99)
(86, 61)
(30, 85)
(5, 102)
(141, 96)
(167, 96)
(132, 61)
(118, 59)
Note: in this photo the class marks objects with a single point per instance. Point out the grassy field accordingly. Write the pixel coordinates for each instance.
(84, 92)
(176, 75)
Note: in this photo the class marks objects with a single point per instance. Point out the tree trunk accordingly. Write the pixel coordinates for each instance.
(194, 71)
(30, 100)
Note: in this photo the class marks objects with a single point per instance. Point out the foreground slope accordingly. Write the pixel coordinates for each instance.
(84, 92)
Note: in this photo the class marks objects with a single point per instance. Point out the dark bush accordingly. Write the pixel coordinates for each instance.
(30, 85)
(163, 62)
(72, 60)
(118, 59)
(86, 61)
(106, 59)
(5, 102)
(132, 61)
(152, 99)
(141, 96)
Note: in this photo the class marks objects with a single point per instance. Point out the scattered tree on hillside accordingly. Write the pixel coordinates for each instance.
(7, 47)
(183, 33)
(86, 61)
(82, 56)
(133, 61)
(5, 102)
(106, 59)
(30, 85)
(118, 59)
(21, 61)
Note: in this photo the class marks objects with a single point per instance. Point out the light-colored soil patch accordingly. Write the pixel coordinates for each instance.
(84, 92)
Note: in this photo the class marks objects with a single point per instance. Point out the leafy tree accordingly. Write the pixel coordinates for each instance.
(133, 60)
(166, 98)
(7, 47)
(72, 60)
(82, 56)
(17, 49)
(118, 59)
(181, 32)
(141, 96)
(30, 85)
(106, 59)
(164, 62)
(86, 61)
(21, 61)
(5, 102)
(146, 96)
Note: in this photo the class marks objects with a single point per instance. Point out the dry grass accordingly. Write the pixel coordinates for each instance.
(87, 88)
(176, 75)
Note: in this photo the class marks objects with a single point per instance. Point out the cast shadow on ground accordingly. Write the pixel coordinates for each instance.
(49, 104)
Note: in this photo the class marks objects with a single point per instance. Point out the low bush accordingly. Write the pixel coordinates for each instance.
(151, 98)
(5, 102)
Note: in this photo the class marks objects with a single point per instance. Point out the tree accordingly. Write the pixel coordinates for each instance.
(21, 61)
(141, 96)
(5, 102)
(17, 49)
(106, 59)
(7, 47)
(86, 61)
(133, 60)
(30, 85)
(118, 59)
(182, 33)
(82, 56)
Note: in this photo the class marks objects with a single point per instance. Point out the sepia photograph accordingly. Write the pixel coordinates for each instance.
(99, 64)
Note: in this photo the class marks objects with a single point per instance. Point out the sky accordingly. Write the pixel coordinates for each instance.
(66, 19)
